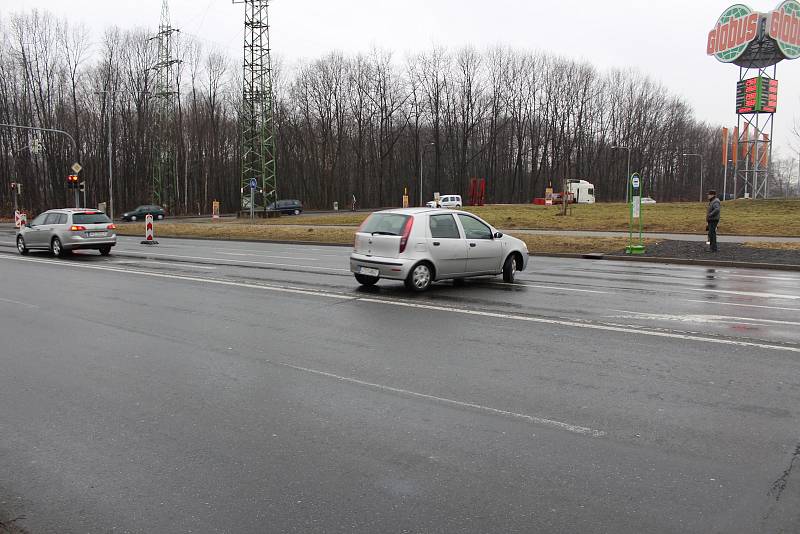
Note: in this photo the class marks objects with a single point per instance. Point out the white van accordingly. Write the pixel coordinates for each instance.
(582, 191)
(447, 201)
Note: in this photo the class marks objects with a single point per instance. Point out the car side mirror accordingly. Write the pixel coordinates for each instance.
(498, 235)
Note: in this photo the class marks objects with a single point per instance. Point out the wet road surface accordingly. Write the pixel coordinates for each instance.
(203, 386)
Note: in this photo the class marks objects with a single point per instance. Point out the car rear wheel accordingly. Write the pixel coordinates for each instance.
(133, 217)
(420, 278)
(365, 280)
(160, 217)
(105, 251)
(510, 269)
(21, 246)
(297, 212)
(57, 248)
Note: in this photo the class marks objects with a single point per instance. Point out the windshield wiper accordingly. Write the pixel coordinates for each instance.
(385, 233)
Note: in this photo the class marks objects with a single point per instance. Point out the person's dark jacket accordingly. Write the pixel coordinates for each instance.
(714, 209)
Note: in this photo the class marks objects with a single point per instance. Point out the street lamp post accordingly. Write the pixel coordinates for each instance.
(628, 176)
(110, 152)
(421, 158)
(701, 171)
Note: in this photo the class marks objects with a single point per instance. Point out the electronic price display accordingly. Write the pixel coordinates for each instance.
(769, 95)
(757, 95)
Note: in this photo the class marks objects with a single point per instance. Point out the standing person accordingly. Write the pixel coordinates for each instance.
(354, 203)
(712, 219)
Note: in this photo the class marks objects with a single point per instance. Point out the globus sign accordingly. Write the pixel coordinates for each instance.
(739, 26)
(784, 28)
(736, 28)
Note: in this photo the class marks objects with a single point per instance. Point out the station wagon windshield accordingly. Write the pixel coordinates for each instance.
(90, 218)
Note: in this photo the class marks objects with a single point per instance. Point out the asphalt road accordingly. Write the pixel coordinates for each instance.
(204, 386)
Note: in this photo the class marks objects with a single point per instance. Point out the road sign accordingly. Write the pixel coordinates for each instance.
(635, 208)
(76, 167)
(215, 209)
(20, 219)
(253, 183)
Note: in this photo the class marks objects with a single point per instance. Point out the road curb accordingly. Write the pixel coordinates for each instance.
(676, 261)
(233, 240)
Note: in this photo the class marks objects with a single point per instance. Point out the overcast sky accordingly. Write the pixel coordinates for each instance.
(666, 40)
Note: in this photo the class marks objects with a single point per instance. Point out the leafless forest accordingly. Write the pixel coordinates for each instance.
(366, 125)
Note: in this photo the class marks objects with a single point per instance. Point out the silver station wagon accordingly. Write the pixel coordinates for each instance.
(423, 245)
(64, 230)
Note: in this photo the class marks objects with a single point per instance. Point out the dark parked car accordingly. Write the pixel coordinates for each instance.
(139, 213)
(287, 207)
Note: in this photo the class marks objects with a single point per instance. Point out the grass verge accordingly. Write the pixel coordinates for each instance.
(775, 246)
(271, 232)
(339, 235)
(740, 217)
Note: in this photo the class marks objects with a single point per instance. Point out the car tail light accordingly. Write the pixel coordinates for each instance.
(406, 234)
(111, 227)
(77, 228)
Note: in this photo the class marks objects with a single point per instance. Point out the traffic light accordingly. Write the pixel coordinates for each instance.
(72, 181)
(19, 189)
(13, 186)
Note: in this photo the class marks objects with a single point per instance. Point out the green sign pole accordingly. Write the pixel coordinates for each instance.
(635, 212)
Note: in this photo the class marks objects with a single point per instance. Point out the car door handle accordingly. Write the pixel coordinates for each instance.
(436, 243)
(473, 244)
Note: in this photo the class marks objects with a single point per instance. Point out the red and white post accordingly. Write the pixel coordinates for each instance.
(148, 231)
(20, 219)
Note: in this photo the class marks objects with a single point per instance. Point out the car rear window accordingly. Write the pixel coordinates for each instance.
(90, 218)
(385, 223)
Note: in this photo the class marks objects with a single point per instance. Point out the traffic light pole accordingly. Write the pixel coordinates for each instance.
(54, 130)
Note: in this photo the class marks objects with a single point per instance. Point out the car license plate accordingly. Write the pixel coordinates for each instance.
(97, 234)
(369, 271)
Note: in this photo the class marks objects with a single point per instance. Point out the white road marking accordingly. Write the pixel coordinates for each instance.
(699, 318)
(176, 263)
(18, 303)
(780, 278)
(553, 288)
(247, 262)
(716, 303)
(494, 411)
(268, 256)
(629, 329)
(748, 293)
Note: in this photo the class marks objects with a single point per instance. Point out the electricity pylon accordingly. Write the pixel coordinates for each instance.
(165, 94)
(257, 122)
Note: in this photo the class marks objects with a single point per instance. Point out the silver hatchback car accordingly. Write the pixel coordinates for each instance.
(63, 230)
(422, 245)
